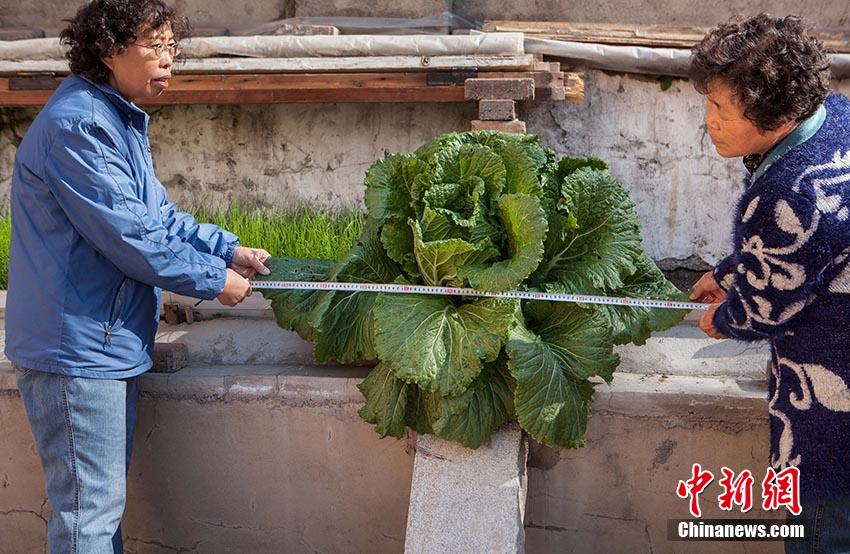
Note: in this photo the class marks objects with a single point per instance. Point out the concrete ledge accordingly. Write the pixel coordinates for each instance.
(682, 401)
(272, 457)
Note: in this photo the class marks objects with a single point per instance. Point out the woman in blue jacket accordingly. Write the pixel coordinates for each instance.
(94, 239)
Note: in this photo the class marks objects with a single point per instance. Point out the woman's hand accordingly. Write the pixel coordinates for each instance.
(706, 322)
(707, 291)
(236, 289)
(247, 262)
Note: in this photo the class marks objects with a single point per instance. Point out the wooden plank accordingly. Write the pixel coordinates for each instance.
(303, 65)
(836, 40)
(305, 88)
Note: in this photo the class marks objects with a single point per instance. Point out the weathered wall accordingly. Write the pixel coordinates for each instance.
(273, 458)
(269, 463)
(276, 155)
(826, 13)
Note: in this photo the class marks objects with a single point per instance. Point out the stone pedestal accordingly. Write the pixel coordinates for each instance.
(464, 500)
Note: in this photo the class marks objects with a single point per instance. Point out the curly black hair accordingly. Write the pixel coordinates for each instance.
(103, 27)
(778, 71)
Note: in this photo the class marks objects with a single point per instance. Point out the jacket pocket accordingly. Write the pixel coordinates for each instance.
(115, 311)
(22, 370)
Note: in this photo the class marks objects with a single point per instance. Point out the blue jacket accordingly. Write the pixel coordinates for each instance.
(94, 238)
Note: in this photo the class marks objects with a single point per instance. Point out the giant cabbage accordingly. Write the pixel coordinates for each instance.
(495, 212)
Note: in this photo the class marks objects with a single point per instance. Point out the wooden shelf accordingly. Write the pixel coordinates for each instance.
(419, 86)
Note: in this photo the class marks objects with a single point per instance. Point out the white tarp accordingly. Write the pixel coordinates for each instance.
(485, 44)
(638, 59)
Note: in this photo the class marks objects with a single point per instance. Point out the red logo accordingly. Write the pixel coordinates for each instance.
(736, 490)
(782, 489)
(694, 486)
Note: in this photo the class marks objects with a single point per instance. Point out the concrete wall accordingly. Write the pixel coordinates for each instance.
(274, 155)
(274, 458)
(263, 460)
(826, 13)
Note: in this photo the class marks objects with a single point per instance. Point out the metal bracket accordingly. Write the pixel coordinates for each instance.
(455, 77)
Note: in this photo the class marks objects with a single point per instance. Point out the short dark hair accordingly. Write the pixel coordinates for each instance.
(779, 73)
(104, 27)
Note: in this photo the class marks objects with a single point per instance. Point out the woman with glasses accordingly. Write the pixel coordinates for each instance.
(94, 239)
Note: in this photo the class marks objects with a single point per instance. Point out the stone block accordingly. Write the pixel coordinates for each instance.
(515, 126)
(464, 500)
(499, 89)
(497, 110)
(169, 357)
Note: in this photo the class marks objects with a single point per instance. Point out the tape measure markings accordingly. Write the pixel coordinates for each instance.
(452, 291)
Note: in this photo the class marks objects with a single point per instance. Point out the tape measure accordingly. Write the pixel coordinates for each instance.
(453, 291)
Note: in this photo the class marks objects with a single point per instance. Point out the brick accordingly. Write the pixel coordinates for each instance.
(171, 313)
(20, 33)
(499, 89)
(497, 110)
(515, 126)
(169, 357)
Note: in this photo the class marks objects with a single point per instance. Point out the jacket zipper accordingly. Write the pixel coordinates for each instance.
(113, 312)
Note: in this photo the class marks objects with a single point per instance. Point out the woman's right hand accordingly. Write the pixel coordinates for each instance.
(236, 289)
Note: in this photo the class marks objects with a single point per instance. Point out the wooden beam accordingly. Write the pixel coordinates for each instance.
(304, 88)
(836, 40)
(303, 65)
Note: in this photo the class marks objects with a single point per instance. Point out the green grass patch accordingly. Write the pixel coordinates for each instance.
(299, 232)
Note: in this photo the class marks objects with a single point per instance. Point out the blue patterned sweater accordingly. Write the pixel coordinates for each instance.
(788, 282)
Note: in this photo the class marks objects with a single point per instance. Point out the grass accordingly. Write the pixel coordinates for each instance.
(298, 232)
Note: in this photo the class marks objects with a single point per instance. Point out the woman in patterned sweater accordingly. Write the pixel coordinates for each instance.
(787, 280)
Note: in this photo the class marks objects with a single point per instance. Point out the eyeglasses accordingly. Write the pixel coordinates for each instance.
(158, 48)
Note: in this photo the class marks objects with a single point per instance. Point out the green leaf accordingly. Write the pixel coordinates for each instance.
(470, 161)
(635, 324)
(471, 417)
(429, 341)
(524, 225)
(397, 240)
(600, 251)
(550, 405)
(578, 337)
(344, 320)
(292, 307)
(437, 226)
(386, 401)
(389, 186)
(569, 165)
(439, 260)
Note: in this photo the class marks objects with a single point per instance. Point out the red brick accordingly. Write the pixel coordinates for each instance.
(497, 110)
(169, 357)
(499, 89)
(515, 126)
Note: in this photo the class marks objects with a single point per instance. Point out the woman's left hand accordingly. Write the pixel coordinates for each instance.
(706, 323)
(247, 262)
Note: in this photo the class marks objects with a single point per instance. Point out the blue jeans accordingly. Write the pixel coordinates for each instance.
(83, 429)
(827, 526)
